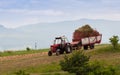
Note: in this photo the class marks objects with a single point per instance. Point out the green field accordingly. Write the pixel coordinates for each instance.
(21, 52)
(41, 64)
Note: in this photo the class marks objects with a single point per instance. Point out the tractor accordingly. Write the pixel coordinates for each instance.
(60, 46)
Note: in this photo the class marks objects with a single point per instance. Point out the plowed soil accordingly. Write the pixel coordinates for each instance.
(17, 62)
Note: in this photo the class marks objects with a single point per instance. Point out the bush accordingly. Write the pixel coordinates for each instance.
(8, 51)
(21, 72)
(114, 41)
(28, 49)
(79, 64)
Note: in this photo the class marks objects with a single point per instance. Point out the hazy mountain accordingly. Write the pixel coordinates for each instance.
(43, 33)
(2, 27)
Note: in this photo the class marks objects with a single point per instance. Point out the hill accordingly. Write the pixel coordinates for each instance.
(41, 64)
(43, 33)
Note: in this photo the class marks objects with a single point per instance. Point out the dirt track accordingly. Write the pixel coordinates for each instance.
(17, 57)
(22, 61)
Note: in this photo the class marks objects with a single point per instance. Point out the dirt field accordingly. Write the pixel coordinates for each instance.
(22, 61)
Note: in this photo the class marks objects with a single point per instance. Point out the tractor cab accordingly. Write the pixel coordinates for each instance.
(60, 41)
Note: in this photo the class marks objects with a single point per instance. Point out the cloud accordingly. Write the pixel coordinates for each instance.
(18, 17)
(33, 12)
(46, 12)
(19, 12)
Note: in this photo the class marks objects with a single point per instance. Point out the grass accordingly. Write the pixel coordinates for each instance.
(21, 52)
(45, 65)
(106, 55)
(108, 48)
(42, 69)
(52, 68)
(103, 49)
(48, 69)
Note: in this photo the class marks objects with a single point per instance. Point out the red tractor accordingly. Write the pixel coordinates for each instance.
(60, 46)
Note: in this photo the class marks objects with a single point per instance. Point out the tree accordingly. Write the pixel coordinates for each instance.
(114, 41)
(76, 63)
(28, 49)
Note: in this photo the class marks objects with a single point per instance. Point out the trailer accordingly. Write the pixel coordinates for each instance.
(85, 37)
(87, 42)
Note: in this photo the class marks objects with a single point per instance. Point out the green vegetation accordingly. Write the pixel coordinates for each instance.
(21, 52)
(114, 41)
(106, 55)
(44, 69)
(79, 64)
(97, 68)
(103, 59)
(28, 49)
(21, 72)
(105, 48)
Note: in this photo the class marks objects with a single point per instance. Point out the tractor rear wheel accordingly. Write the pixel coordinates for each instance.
(49, 53)
(68, 49)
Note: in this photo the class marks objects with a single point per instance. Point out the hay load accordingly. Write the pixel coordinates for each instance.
(84, 31)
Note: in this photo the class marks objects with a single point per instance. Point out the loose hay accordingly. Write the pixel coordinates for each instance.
(84, 31)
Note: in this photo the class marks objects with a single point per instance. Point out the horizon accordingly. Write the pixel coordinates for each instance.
(16, 13)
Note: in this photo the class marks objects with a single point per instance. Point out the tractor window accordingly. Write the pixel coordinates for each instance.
(57, 41)
(63, 41)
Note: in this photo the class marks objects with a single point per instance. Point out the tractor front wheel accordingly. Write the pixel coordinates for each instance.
(49, 53)
(58, 52)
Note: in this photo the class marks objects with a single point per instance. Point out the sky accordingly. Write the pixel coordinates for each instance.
(16, 13)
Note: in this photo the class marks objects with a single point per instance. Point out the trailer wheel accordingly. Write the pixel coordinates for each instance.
(85, 47)
(49, 53)
(92, 46)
